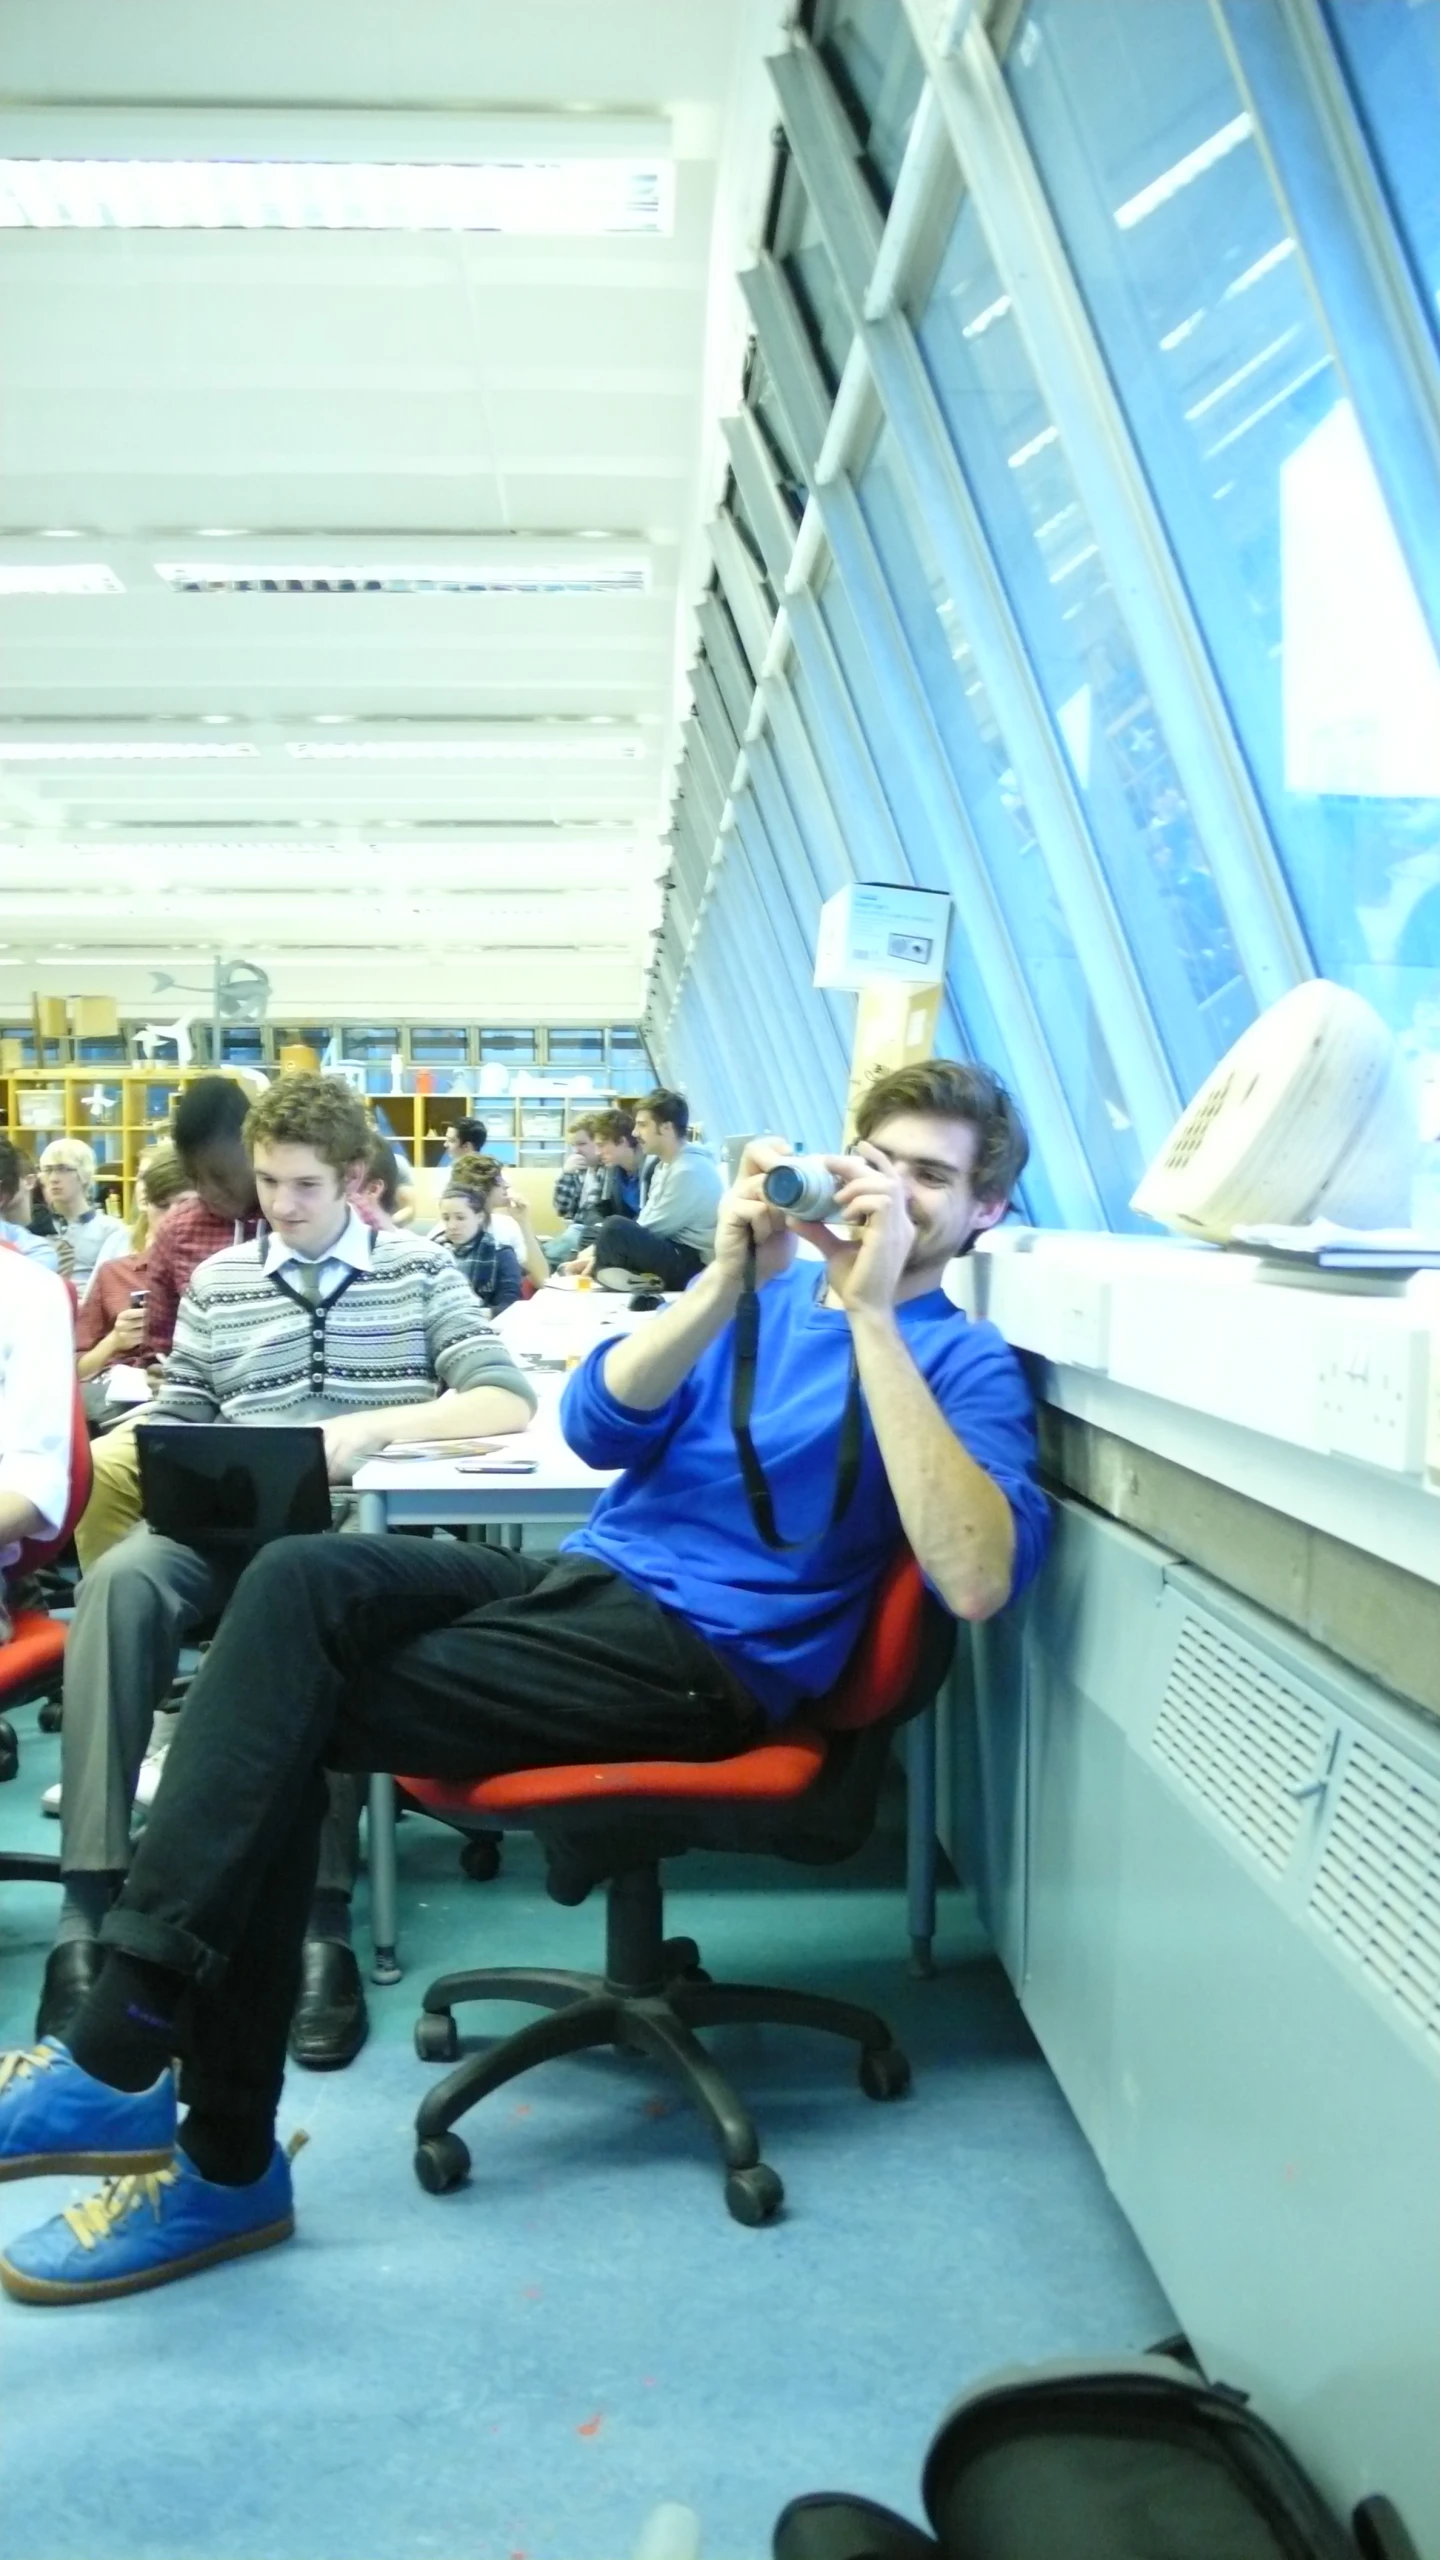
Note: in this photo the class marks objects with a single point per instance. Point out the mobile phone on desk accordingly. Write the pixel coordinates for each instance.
(496, 1466)
(443, 1450)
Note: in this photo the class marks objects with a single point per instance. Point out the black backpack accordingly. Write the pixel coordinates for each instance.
(1136, 2459)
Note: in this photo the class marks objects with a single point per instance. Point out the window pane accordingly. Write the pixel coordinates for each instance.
(1001, 822)
(1084, 658)
(807, 262)
(1391, 49)
(1259, 466)
(871, 56)
(584, 1048)
(442, 1044)
(508, 1048)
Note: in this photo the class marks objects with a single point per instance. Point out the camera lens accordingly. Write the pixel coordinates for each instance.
(784, 1185)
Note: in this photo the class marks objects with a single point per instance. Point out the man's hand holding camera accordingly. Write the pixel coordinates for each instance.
(866, 1191)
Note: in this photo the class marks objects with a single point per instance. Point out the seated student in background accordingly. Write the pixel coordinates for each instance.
(37, 1402)
(673, 1235)
(510, 1219)
(83, 1232)
(111, 1326)
(377, 1193)
(618, 1192)
(374, 1336)
(17, 1184)
(463, 1138)
(667, 1628)
(577, 1188)
(490, 1269)
(207, 1130)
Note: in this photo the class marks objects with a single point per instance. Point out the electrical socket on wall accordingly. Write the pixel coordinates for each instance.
(1374, 1393)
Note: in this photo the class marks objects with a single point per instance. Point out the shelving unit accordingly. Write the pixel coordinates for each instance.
(523, 1128)
(119, 1114)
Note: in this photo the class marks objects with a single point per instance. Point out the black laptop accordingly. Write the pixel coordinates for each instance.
(229, 1490)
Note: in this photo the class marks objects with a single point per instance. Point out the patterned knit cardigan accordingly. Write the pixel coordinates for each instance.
(250, 1349)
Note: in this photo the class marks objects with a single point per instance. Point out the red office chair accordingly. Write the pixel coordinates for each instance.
(809, 1795)
(30, 1662)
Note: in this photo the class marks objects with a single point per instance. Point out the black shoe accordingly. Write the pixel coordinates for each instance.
(330, 2022)
(71, 1972)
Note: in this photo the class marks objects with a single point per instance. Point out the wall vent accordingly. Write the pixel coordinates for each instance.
(1241, 1738)
(1377, 1885)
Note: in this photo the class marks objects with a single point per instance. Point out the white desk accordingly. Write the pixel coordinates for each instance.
(561, 1322)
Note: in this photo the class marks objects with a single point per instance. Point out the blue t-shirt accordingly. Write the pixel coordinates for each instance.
(678, 1523)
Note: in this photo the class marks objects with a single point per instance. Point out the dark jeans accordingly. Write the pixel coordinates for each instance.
(623, 1244)
(417, 1655)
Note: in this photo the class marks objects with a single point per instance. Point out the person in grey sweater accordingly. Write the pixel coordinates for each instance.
(674, 1235)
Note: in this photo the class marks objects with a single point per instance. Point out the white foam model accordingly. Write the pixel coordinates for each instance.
(1310, 1115)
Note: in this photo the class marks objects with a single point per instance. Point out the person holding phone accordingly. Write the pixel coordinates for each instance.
(110, 1326)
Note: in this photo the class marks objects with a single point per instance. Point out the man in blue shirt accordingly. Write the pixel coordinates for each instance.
(670, 1627)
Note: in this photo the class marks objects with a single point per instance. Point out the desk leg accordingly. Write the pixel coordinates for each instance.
(920, 1839)
(380, 1828)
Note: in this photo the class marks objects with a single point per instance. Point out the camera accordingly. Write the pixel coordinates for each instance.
(803, 1188)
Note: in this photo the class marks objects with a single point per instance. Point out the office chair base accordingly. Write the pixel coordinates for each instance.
(17, 1866)
(653, 1996)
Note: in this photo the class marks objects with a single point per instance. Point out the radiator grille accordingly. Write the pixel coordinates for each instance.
(1377, 1885)
(1241, 1738)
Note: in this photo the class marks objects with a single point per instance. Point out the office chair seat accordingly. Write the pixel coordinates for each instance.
(808, 1794)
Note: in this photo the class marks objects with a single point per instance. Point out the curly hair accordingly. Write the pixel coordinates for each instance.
(311, 1111)
(956, 1089)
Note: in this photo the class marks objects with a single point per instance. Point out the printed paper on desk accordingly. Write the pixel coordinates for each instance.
(440, 1448)
(125, 1384)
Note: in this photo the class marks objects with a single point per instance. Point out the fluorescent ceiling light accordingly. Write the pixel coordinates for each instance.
(1263, 267)
(1241, 374)
(1183, 329)
(83, 578)
(467, 750)
(549, 198)
(1026, 452)
(987, 318)
(205, 577)
(1183, 173)
(125, 751)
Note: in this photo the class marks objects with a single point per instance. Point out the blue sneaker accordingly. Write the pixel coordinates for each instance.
(54, 2118)
(143, 2231)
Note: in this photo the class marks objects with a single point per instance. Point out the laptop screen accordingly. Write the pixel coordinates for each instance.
(232, 1490)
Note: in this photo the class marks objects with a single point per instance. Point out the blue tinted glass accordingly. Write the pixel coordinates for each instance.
(1000, 821)
(1391, 49)
(872, 58)
(1203, 307)
(1084, 658)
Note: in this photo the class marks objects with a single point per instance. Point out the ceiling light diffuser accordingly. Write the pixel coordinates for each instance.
(64, 578)
(207, 577)
(468, 750)
(556, 198)
(124, 751)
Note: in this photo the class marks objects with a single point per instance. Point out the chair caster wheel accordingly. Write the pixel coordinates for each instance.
(9, 1754)
(753, 2196)
(480, 1858)
(50, 1718)
(437, 2038)
(884, 2073)
(680, 1955)
(442, 2163)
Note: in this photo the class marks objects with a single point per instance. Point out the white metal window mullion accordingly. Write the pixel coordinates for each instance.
(1020, 231)
(944, 503)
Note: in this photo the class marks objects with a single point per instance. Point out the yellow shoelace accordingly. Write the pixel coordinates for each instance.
(96, 2218)
(15, 2066)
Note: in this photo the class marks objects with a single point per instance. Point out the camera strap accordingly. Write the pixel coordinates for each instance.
(742, 1405)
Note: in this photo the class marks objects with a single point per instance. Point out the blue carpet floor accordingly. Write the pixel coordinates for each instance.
(523, 2369)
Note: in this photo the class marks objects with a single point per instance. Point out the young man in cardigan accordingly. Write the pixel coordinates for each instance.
(318, 1319)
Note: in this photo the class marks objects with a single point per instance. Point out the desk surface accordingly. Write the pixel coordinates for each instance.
(435, 1492)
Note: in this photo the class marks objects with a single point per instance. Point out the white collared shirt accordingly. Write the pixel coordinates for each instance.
(37, 1389)
(349, 1252)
